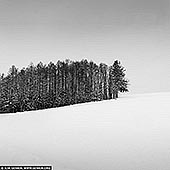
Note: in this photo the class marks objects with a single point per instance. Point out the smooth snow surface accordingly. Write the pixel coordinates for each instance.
(130, 133)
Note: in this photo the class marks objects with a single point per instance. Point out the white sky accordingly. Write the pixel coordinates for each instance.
(137, 32)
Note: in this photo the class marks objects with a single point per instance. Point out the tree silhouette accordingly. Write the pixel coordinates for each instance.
(54, 85)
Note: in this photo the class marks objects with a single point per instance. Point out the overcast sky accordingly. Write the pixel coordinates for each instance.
(136, 32)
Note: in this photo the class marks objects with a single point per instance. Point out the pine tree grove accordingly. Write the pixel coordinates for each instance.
(55, 85)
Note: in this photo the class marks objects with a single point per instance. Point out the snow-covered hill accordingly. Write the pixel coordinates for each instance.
(130, 133)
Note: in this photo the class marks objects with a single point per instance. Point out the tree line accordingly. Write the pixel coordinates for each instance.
(64, 83)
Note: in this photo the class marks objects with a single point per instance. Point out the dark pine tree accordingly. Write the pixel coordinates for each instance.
(117, 80)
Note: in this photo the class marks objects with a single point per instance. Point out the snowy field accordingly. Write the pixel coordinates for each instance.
(130, 133)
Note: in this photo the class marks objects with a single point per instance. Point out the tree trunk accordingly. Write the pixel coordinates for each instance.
(116, 94)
